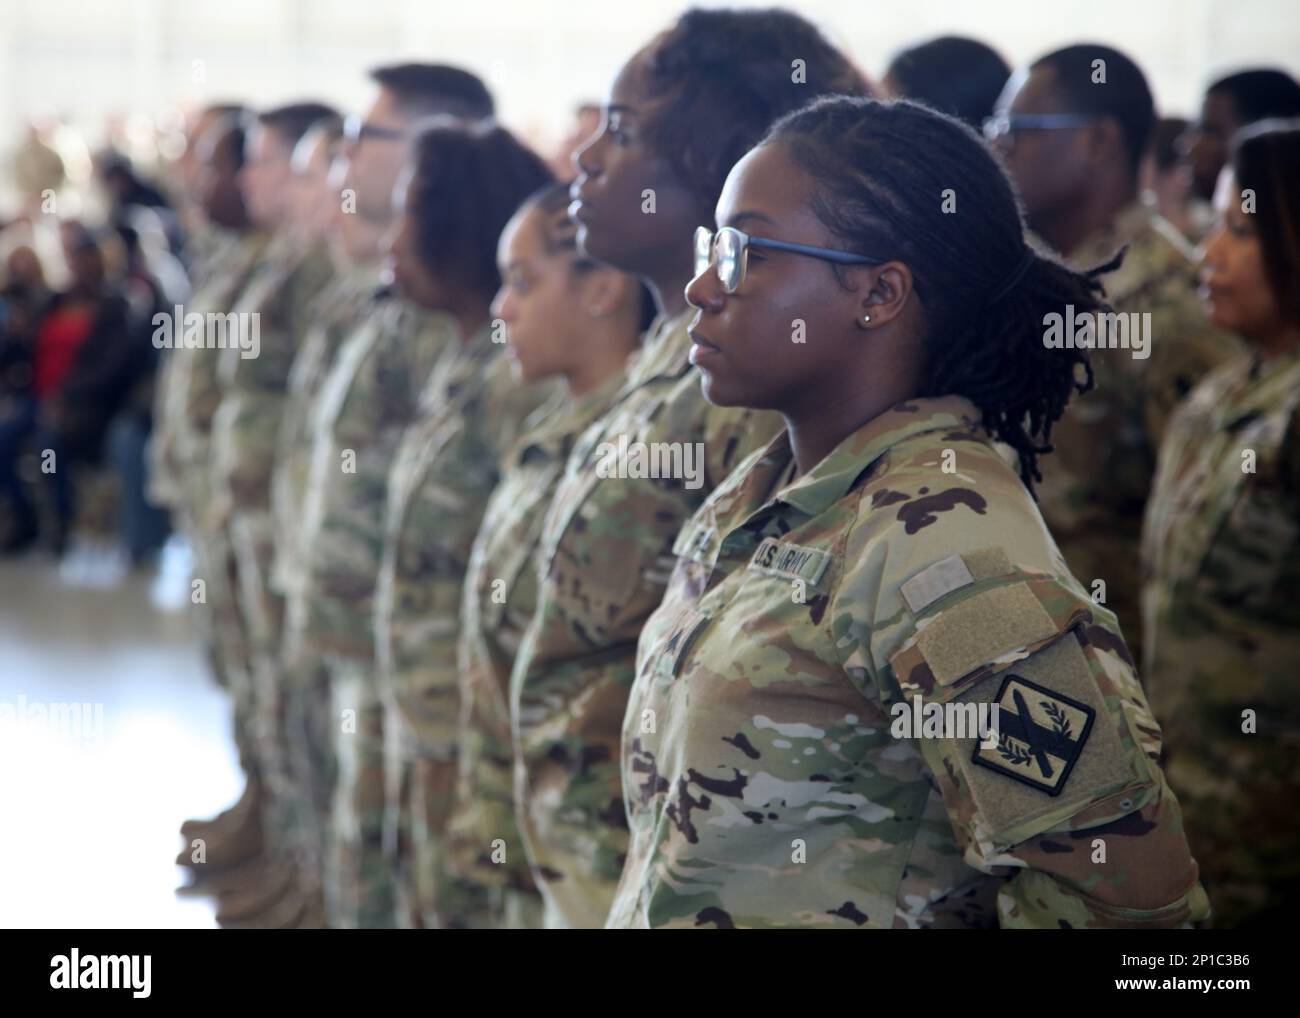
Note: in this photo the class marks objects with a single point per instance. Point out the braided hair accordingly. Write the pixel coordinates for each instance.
(900, 181)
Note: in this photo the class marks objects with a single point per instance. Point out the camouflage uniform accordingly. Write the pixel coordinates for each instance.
(448, 463)
(244, 429)
(1221, 552)
(217, 274)
(1096, 483)
(187, 400)
(334, 315)
(769, 778)
(484, 846)
(203, 250)
(605, 557)
(308, 716)
(364, 405)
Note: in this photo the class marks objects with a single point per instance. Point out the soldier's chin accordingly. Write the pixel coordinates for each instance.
(597, 240)
(582, 237)
(520, 369)
(714, 390)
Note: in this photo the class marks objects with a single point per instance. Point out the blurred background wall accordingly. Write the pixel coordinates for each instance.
(88, 63)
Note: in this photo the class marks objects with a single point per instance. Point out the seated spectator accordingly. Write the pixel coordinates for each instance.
(128, 190)
(143, 525)
(80, 363)
(23, 295)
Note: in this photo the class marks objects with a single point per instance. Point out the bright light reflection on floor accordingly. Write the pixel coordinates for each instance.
(111, 733)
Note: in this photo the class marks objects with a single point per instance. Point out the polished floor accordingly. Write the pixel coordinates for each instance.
(111, 733)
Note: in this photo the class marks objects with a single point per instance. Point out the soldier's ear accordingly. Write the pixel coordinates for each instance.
(601, 291)
(881, 292)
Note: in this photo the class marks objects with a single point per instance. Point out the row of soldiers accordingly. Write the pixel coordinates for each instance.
(423, 600)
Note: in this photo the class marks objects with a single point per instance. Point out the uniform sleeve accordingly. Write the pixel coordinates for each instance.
(247, 424)
(1063, 793)
(438, 526)
(484, 846)
(203, 394)
(163, 474)
(1289, 461)
(244, 443)
(348, 546)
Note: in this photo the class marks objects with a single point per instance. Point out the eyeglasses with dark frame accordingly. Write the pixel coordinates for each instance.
(1006, 125)
(731, 247)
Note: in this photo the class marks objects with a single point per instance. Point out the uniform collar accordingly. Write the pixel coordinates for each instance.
(474, 351)
(746, 494)
(1262, 369)
(551, 427)
(253, 243)
(1130, 223)
(281, 246)
(362, 279)
(665, 351)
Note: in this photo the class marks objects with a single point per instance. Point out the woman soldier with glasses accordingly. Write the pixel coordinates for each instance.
(874, 696)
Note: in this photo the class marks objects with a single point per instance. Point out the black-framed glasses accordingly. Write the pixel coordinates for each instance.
(1007, 125)
(356, 129)
(729, 248)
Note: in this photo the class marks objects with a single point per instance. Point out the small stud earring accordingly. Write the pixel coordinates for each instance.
(595, 310)
(866, 319)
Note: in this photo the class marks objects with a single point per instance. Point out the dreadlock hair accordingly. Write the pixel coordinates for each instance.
(560, 234)
(881, 170)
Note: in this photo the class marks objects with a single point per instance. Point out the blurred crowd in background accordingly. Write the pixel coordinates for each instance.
(100, 243)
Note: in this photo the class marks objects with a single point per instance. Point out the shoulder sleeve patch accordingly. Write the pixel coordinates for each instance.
(1059, 753)
(1040, 734)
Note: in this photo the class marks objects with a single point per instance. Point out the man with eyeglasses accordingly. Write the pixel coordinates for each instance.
(1073, 129)
(366, 398)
